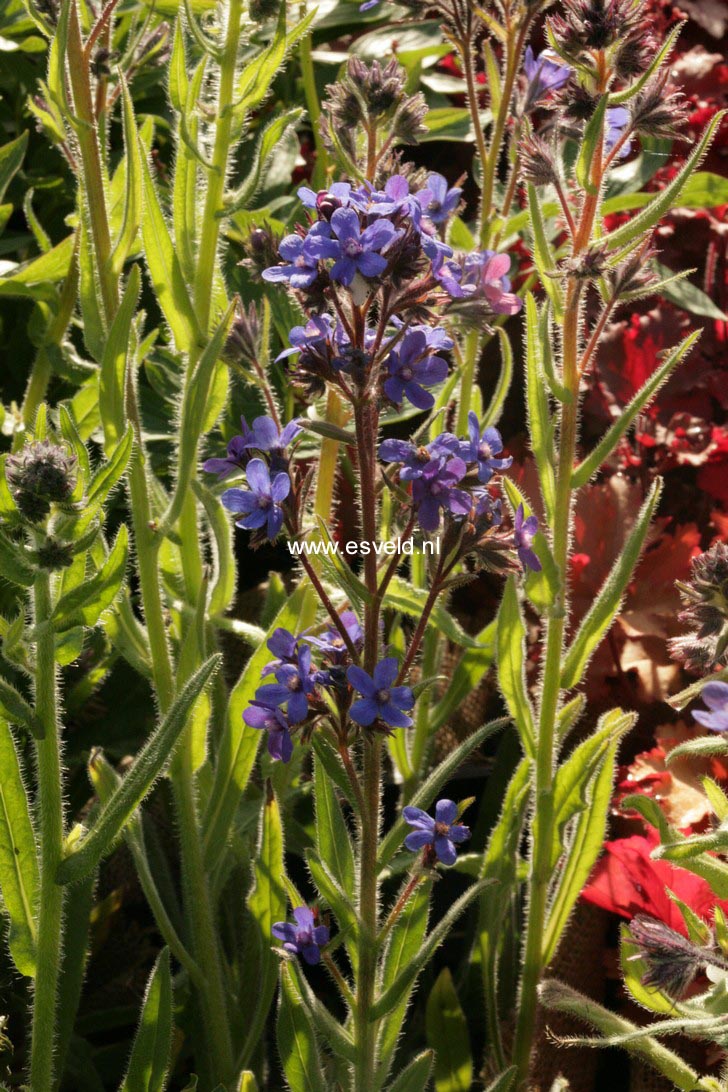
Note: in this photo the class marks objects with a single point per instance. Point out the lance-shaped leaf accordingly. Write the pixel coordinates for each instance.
(184, 185)
(256, 78)
(297, 1039)
(411, 600)
(178, 81)
(223, 585)
(403, 944)
(511, 659)
(584, 789)
(149, 1059)
(13, 563)
(332, 834)
(264, 149)
(429, 790)
(591, 464)
(337, 899)
(470, 670)
(84, 604)
(26, 279)
(112, 374)
(329, 1028)
(133, 200)
(19, 882)
(148, 765)
(504, 1082)
(603, 610)
(407, 976)
(447, 1034)
(11, 157)
(239, 742)
(267, 904)
(165, 269)
(415, 1076)
(593, 136)
(495, 406)
(17, 710)
(110, 473)
(542, 253)
(667, 198)
(539, 417)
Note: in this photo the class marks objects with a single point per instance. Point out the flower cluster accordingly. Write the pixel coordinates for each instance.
(295, 696)
(40, 474)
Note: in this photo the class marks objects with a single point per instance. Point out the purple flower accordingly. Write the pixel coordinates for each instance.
(487, 510)
(265, 435)
(618, 118)
(524, 532)
(715, 696)
(435, 489)
(481, 276)
(380, 700)
(369, 5)
(415, 459)
(305, 938)
(412, 367)
(484, 448)
(235, 460)
(338, 195)
(301, 268)
(311, 339)
(546, 72)
(331, 643)
(355, 251)
(284, 646)
(437, 201)
(261, 504)
(396, 198)
(443, 833)
(275, 723)
(294, 682)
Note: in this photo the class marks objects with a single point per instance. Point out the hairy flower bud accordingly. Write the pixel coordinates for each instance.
(54, 555)
(39, 475)
(260, 10)
(671, 960)
(537, 161)
(596, 25)
(659, 110)
(705, 602)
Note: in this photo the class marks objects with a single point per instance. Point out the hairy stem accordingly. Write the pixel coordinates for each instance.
(50, 829)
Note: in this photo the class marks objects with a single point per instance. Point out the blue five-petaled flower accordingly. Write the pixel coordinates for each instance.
(380, 700)
(259, 506)
(442, 833)
(294, 682)
(305, 938)
(524, 532)
(484, 449)
(274, 722)
(715, 696)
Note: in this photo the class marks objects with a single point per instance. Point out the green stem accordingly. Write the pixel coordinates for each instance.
(467, 382)
(51, 829)
(366, 1029)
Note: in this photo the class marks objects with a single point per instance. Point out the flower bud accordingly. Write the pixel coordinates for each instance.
(39, 475)
(705, 602)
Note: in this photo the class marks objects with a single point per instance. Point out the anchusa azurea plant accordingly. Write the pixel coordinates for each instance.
(219, 379)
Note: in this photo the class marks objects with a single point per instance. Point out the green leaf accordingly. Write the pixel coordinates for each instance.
(19, 882)
(633, 971)
(134, 199)
(110, 473)
(149, 1059)
(504, 1082)
(239, 742)
(178, 81)
(617, 98)
(336, 898)
(297, 1039)
(223, 588)
(495, 408)
(266, 145)
(332, 834)
(184, 186)
(669, 197)
(13, 564)
(11, 157)
(591, 464)
(429, 790)
(593, 135)
(267, 904)
(391, 994)
(539, 416)
(411, 600)
(543, 256)
(415, 1076)
(46, 270)
(403, 944)
(85, 604)
(17, 710)
(470, 670)
(511, 660)
(256, 78)
(165, 270)
(447, 1034)
(604, 608)
(583, 789)
(684, 294)
(541, 587)
(148, 766)
(89, 289)
(114, 359)
(329, 1028)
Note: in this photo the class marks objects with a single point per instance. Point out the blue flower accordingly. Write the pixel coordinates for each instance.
(284, 646)
(380, 699)
(412, 367)
(546, 72)
(415, 459)
(311, 339)
(355, 251)
(305, 938)
(294, 682)
(338, 195)
(481, 276)
(235, 460)
(442, 833)
(523, 534)
(331, 643)
(272, 720)
(266, 436)
(301, 268)
(484, 448)
(396, 198)
(715, 696)
(434, 489)
(260, 505)
(437, 201)
(618, 118)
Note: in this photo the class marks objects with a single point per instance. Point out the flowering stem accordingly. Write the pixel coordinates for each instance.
(51, 823)
(412, 884)
(329, 607)
(366, 1030)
